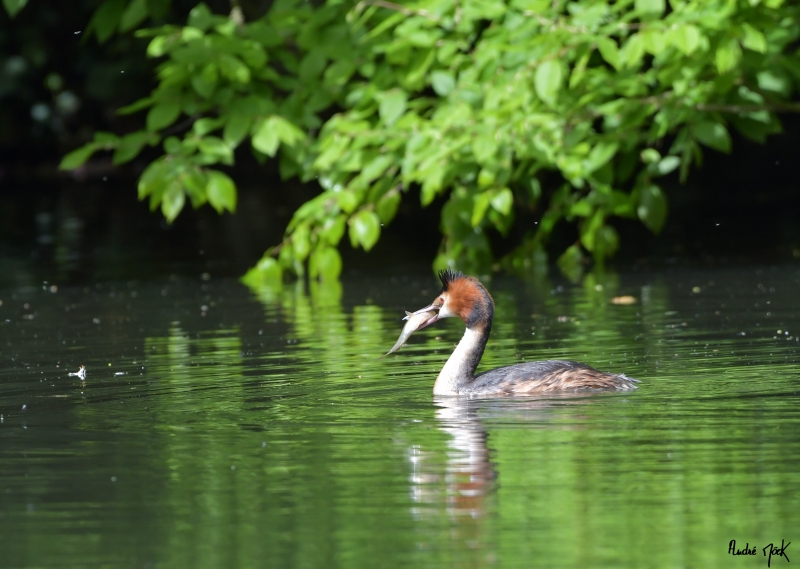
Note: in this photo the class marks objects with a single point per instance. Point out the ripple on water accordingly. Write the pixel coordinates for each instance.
(228, 431)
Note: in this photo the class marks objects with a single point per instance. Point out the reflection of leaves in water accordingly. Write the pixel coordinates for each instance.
(341, 347)
(186, 365)
(548, 321)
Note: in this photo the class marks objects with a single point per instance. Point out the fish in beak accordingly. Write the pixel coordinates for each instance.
(431, 309)
(415, 321)
(432, 312)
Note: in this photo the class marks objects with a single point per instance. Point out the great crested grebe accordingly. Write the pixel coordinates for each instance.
(467, 298)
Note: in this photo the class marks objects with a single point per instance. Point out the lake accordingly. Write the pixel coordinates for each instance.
(217, 427)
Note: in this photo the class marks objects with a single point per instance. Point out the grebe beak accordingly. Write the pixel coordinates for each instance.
(434, 307)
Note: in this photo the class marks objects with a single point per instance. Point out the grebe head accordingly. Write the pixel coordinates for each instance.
(461, 296)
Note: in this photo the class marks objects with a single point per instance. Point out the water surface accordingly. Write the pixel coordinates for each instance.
(221, 428)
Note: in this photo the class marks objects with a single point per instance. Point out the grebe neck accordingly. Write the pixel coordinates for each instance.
(459, 371)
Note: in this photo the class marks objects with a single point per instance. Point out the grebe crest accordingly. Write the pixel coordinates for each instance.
(465, 297)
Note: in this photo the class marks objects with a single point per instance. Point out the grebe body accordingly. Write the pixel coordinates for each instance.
(466, 298)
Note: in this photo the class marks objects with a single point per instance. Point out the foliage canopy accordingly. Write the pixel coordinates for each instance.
(531, 112)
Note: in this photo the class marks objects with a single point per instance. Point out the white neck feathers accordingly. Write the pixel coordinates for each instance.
(460, 367)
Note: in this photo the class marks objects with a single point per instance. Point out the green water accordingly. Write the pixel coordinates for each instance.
(217, 428)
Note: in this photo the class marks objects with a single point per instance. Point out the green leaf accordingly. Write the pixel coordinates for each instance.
(267, 272)
(650, 7)
(650, 155)
(255, 58)
(503, 201)
(227, 27)
(484, 147)
(547, 81)
(134, 14)
(589, 228)
(652, 208)
(392, 105)
(579, 70)
(386, 208)
(137, 106)
(348, 201)
(365, 228)
(221, 192)
(654, 41)
(232, 67)
(622, 204)
(686, 38)
(287, 132)
(205, 81)
(105, 19)
(78, 156)
(479, 207)
(325, 263)
(600, 155)
(162, 115)
(157, 47)
(443, 82)
(754, 39)
(194, 182)
(301, 242)
(106, 139)
(235, 128)
(668, 164)
(332, 229)
(172, 201)
(153, 180)
(581, 208)
(486, 177)
(714, 135)
(205, 125)
(265, 138)
(214, 149)
(728, 55)
(200, 17)
(173, 145)
(633, 51)
(757, 130)
(778, 83)
(332, 149)
(14, 6)
(610, 51)
(376, 167)
(418, 66)
(312, 65)
(129, 146)
(338, 73)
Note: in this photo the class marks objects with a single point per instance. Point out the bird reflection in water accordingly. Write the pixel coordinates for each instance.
(468, 472)
(462, 481)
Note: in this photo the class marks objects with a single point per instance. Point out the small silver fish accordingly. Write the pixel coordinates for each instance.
(415, 322)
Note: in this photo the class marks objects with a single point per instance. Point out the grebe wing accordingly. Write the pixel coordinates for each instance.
(549, 375)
